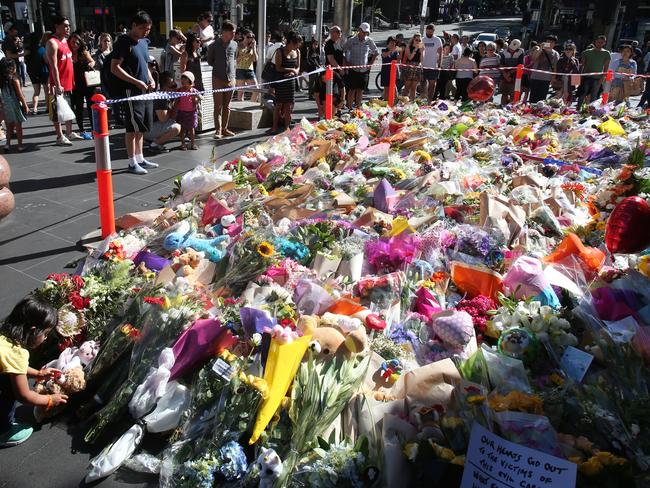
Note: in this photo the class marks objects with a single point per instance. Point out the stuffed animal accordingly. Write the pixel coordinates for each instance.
(270, 466)
(187, 262)
(328, 342)
(73, 381)
(456, 332)
(184, 237)
(73, 357)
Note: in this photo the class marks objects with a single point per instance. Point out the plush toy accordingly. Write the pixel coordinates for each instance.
(187, 262)
(456, 332)
(328, 342)
(73, 381)
(73, 357)
(270, 466)
(184, 237)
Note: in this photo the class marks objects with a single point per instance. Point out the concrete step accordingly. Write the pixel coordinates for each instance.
(247, 115)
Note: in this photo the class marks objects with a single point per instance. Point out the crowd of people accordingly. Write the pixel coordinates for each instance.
(71, 67)
(441, 68)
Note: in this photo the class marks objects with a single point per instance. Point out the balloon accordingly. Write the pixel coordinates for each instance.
(481, 88)
(628, 227)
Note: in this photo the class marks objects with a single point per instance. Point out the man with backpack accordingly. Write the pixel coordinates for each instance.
(130, 76)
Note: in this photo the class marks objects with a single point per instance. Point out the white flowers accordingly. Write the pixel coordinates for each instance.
(542, 320)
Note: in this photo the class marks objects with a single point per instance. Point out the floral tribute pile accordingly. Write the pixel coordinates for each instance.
(342, 303)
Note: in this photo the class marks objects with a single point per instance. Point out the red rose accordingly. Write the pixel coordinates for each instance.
(78, 282)
(76, 300)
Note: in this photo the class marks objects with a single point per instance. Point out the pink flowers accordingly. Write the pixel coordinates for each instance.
(478, 307)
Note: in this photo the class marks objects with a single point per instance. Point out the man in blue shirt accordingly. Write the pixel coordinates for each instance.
(130, 64)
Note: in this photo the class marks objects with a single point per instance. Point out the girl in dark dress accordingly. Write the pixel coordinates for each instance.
(287, 64)
(82, 61)
(191, 60)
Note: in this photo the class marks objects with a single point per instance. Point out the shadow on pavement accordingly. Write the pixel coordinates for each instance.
(24, 186)
(41, 254)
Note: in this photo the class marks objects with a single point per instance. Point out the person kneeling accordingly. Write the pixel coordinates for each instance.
(165, 128)
(26, 327)
(338, 93)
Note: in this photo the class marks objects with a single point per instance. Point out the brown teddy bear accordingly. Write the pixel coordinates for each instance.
(329, 341)
(187, 262)
(72, 381)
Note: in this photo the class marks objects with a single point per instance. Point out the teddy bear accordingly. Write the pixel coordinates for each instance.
(72, 381)
(187, 262)
(72, 357)
(334, 335)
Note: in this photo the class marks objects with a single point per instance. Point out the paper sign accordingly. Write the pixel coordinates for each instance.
(223, 369)
(576, 362)
(623, 330)
(494, 462)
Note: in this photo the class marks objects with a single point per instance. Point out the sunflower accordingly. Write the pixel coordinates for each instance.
(265, 249)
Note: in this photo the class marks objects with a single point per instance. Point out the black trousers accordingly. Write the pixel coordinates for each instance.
(78, 98)
(538, 90)
(7, 404)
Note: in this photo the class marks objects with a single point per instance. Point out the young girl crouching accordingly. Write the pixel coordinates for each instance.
(26, 327)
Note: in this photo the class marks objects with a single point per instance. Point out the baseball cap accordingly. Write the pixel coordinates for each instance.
(189, 75)
(514, 44)
(10, 25)
(365, 27)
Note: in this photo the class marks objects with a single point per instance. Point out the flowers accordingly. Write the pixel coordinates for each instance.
(265, 249)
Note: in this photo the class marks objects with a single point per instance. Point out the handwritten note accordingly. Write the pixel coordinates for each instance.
(575, 362)
(494, 462)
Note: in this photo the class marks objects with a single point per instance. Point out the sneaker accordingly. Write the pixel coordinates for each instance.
(137, 169)
(75, 136)
(148, 164)
(86, 136)
(157, 148)
(17, 434)
(63, 141)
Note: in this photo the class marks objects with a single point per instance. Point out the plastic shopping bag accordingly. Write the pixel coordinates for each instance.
(63, 110)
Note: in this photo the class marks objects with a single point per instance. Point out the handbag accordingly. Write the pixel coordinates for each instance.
(93, 78)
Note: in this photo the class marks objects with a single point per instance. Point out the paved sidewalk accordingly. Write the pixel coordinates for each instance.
(56, 204)
(56, 197)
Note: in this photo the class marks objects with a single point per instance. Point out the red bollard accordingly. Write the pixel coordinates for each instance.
(329, 79)
(608, 86)
(519, 74)
(104, 171)
(392, 81)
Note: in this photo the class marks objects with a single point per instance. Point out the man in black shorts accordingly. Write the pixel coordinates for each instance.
(361, 53)
(130, 65)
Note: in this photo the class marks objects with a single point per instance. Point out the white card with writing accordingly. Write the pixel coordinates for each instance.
(493, 462)
(575, 362)
(223, 369)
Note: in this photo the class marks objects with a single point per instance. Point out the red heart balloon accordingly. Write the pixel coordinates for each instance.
(628, 226)
(375, 322)
(481, 88)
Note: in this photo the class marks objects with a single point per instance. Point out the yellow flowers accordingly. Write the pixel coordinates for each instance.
(411, 450)
(557, 379)
(350, 129)
(422, 156)
(442, 452)
(265, 249)
(475, 399)
(227, 356)
(398, 173)
(517, 401)
(256, 382)
(596, 463)
(298, 171)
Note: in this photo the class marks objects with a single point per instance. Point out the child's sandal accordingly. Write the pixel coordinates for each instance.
(183, 147)
(194, 147)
